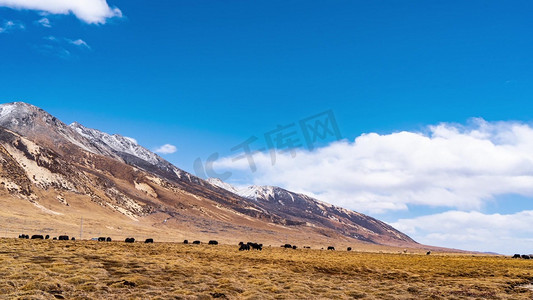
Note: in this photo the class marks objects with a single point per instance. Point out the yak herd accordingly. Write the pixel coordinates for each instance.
(45, 237)
(242, 246)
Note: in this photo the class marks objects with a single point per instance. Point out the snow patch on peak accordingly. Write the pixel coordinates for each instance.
(131, 140)
(117, 143)
(259, 192)
(16, 110)
(254, 192)
(6, 110)
(221, 184)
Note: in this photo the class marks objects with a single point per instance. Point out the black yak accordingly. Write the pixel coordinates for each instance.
(255, 246)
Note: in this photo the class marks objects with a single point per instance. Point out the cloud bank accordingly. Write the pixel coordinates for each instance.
(501, 233)
(89, 11)
(448, 165)
(166, 149)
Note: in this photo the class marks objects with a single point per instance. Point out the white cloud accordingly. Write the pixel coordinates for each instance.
(166, 149)
(90, 11)
(45, 22)
(506, 234)
(450, 165)
(54, 50)
(59, 47)
(8, 26)
(79, 43)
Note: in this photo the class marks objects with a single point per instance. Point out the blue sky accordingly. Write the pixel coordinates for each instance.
(207, 75)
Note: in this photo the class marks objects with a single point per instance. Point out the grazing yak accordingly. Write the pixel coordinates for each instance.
(428, 253)
(294, 247)
(349, 249)
(72, 238)
(130, 240)
(55, 238)
(196, 243)
(108, 239)
(244, 246)
(24, 236)
(63, 238)
(186, 241)
(47, 237)
(37, 237)
(255, 246)
(287, 246)
(517, 256)
(525, 256)
(212, 242)
(101, 239)
(149, 241)
(331, 248)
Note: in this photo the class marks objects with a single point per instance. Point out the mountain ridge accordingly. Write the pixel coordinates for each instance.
(293, 204)
(52, 162)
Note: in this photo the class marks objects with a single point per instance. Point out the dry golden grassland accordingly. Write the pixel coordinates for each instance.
(48, 269)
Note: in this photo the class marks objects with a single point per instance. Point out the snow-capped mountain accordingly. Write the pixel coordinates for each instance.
(33, 122)
(296, 206)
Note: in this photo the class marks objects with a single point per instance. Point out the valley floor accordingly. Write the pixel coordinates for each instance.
(48, 269)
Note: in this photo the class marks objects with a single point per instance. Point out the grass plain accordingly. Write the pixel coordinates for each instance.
(47, 269)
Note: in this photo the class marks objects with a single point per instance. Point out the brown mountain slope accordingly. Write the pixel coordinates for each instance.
(54, 175)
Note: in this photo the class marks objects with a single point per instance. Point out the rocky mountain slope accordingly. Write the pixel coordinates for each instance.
(307, 210)
(53, 175)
